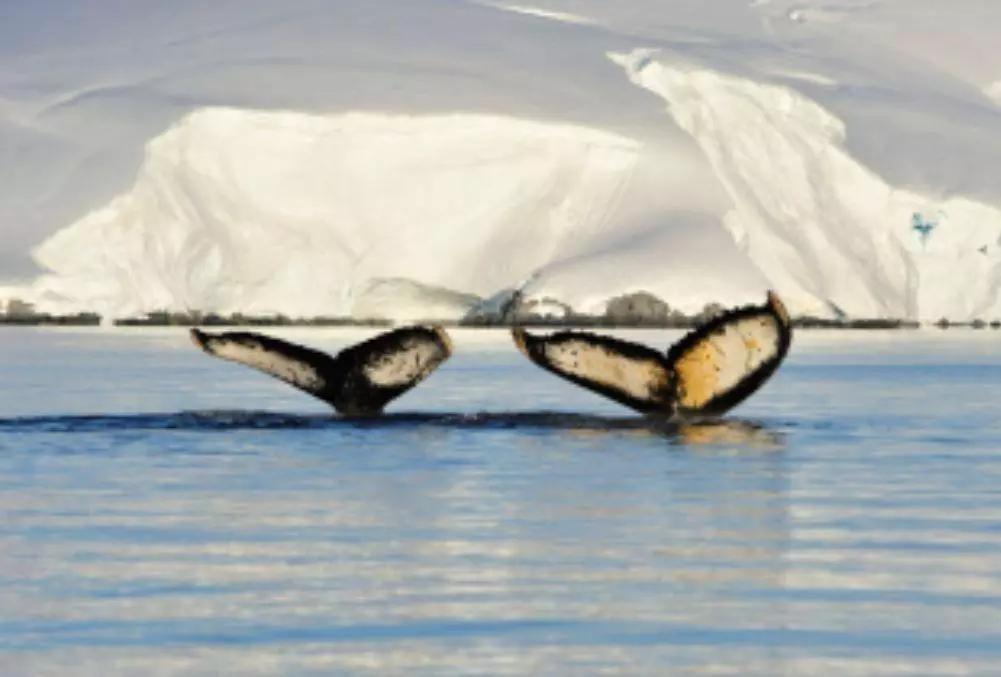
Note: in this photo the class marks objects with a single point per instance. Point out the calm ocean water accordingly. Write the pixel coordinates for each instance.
(163, 513)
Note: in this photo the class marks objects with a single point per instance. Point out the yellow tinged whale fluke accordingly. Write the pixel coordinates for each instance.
(708, 372)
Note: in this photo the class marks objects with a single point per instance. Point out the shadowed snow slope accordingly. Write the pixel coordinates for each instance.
(406, 158)
(818, 222)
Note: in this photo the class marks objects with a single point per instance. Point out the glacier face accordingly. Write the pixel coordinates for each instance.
(393, 159)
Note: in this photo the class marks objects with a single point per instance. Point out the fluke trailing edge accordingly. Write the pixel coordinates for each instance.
(359, 381)
(708, 372)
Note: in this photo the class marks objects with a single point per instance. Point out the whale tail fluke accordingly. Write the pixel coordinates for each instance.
(359, 381)
(708, 372)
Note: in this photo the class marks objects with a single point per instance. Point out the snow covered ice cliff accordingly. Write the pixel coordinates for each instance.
(405, 158)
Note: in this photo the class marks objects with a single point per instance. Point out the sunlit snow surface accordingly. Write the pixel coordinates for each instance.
(164, 513)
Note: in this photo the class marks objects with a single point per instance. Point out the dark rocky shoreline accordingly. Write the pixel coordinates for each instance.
(577, 321)
(639, 310)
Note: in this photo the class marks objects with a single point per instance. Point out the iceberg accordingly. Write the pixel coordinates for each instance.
(309, 215)
(382, 159)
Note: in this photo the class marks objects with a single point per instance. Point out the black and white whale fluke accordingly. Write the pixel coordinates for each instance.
(708, 372)
(359, 381)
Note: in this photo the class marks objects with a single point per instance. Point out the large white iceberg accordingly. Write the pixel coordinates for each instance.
(405, 159)
(259, 212)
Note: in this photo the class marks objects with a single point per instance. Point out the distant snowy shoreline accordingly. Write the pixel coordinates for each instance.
(640, 310)
(575, 322)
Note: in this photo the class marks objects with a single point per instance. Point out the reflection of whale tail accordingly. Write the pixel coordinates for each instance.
(360, 380)
(709, 371)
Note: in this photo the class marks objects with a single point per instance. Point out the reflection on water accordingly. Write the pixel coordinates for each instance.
(822, 534)
(709, 432)
(517, 564)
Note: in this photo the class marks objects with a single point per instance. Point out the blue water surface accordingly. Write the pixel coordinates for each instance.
(164, 513)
